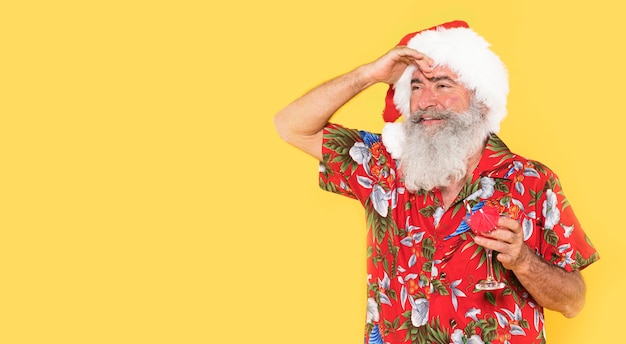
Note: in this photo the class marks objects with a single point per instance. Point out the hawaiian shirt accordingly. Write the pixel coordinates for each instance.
(422, 262)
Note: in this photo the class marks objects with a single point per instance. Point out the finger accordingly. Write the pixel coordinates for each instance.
(415, 55)
(508, 236)
(510, 224)
(505, 259)
(488, 242)
(409, 60)
(428, 62)
(425, 67)
(505, 236)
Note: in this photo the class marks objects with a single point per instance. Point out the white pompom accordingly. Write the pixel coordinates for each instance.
(393, 137)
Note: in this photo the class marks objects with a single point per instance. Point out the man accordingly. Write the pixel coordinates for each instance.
(422, 177)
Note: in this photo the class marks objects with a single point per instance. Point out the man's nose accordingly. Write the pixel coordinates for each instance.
(427, 99)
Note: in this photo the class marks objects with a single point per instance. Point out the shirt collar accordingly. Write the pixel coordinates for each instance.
(496, 159)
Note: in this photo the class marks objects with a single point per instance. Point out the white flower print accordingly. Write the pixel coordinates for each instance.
(528, 224)
(511, 321)
(379, 197)
(472, 313)
(456, 292)
(410, 228)
(437, 215)
(568, 230)
(458, 337)
(566, 256)
(412, 238)
(517, 165)
(404, 293)
(360, 153)
(487, 187)
(527, 171)
(519, 187)
(550, 210)
(384, 285)
(538, 315)
(531, 172)
(419, 313)
(380, 200)
(372, 311)
(365, 182)
(434, 270)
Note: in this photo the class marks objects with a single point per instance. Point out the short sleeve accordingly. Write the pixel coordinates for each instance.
(564, 241)
(337, 165)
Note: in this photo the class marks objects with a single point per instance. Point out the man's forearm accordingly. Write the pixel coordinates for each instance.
(551, 286)
(301, 122)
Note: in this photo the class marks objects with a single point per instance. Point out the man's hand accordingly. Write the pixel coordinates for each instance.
(301, 123)
(389, 67)
(551, 286)
(508, 240)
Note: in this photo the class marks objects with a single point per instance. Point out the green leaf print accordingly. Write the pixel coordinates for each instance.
(378, 224)
(348, 164)
(505, 201)
(423, 278)
(550, 184)
(470, 329)
(502, 186)
(436, 334)
(440, 288)
(539, 167)
(490, 297)
(392, 294)
(564, 203)
(468, 189)
(499, 149)
(347, 136)
(430, 333)
(457, 207)
(428, 211)
(524, 323)
(550, 237)
(489, 328)
(428, 248)
(581, 262)
(340, 140)
(331, 187)
(535, 197)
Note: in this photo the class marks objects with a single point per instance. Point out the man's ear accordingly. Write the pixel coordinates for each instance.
(484, 109)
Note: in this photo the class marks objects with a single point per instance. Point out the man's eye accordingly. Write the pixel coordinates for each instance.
(416, 87)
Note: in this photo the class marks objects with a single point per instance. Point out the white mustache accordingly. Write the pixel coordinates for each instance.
(420, 115)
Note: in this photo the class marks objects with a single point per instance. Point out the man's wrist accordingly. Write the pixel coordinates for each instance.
(527, 262)
(363, 77)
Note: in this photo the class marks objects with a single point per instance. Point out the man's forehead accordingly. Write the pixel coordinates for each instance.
(439, 71)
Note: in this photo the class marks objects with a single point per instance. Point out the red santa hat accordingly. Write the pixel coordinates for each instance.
(456, 46)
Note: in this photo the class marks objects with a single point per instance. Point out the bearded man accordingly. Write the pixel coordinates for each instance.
(422, 178)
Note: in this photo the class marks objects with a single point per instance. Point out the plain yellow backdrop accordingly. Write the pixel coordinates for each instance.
(146, 197)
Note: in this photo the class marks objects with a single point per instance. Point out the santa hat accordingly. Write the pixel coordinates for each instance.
(467, 54)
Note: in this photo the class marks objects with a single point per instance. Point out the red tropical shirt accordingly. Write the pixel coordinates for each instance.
(422, 262)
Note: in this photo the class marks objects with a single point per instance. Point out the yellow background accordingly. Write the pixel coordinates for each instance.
(147, 199)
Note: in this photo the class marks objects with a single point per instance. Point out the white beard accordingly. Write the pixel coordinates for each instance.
(438, 156)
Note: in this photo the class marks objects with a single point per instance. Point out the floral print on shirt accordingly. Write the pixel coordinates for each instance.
(422, 262)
